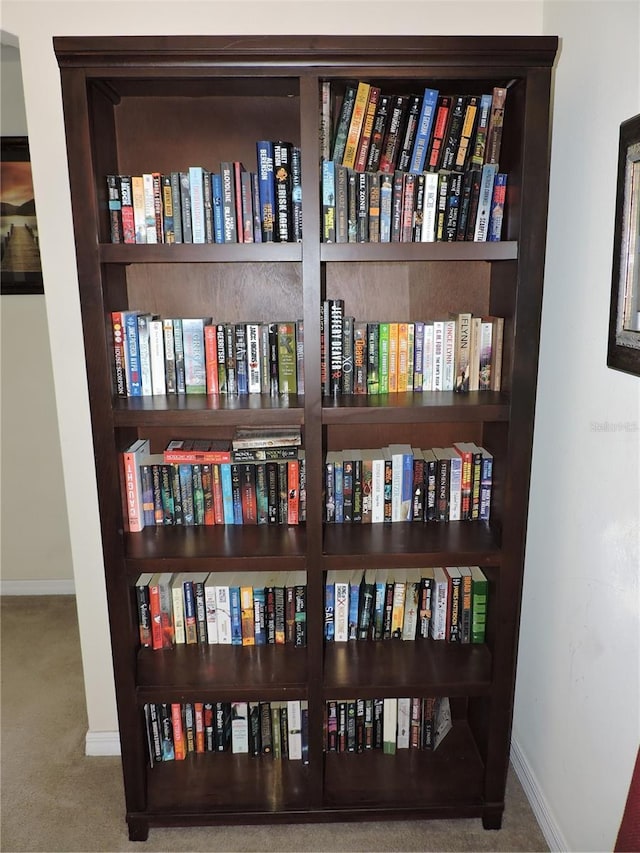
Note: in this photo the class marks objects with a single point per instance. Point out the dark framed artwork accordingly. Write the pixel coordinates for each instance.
(21, 270)
(624, 318)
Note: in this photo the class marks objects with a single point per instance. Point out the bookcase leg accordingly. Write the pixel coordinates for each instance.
(138, 829)
(492, 818)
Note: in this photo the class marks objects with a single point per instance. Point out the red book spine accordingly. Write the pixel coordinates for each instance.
(156, 617)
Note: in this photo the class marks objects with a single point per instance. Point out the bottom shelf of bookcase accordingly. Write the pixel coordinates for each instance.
(452, 775)
(224, 782)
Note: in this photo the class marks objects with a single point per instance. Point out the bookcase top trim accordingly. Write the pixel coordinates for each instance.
(305, 51)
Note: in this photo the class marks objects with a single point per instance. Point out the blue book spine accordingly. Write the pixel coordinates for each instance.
(338, 481)
(134, 379)
(186, 493)
(227, 493)
(196, 189)
(497, 208)
(260, 631)
(328, 201)
(486, 482)
(481, 233)
(329, 611)
(266, 188)
(216, 198)
(236, 615)
(236, 494)
(354, 606)
(423, 134)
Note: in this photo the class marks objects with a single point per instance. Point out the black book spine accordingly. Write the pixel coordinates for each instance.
(380, 123)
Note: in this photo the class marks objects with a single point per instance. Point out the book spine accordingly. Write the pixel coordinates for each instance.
(114, 203)
(266, 189)
(126, 209)
(344, 120)
(282, 152)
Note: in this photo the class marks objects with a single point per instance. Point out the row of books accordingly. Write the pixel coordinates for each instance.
(161, 493)
(400, 483)
(225, 608)
(177, 731)
(440, 603)
(390, 724)
(230, 205)
(444, 206)
(155, 355)
(460, 352)
(425, 131)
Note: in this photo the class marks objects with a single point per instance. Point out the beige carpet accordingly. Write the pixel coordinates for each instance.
(54, 798)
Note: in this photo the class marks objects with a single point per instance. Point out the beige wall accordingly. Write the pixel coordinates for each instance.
(573, 639)
(32, 481)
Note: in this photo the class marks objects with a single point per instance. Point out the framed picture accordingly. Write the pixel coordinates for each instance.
(624, 317)
(21, 271)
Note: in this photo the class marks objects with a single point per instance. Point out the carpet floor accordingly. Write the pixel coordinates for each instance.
(54, 798)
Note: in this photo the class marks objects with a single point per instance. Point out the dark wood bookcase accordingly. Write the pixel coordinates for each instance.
(141, 104)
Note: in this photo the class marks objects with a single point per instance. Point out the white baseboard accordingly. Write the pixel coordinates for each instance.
(539, 806)
(102, 743)
(37, 587)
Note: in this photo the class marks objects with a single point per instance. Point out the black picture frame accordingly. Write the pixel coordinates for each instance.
(21, 270)
(624, 319)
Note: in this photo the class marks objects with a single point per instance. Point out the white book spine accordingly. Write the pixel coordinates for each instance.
(404, 722)
(253, 358)
(449, 348)
(439, 608)
(389, 724)
(149, 209)
(294, 724)
(223, 614)
(377, 491)
(429, 207)
(438, 355)
(427, 353)
(239, 727)
(178, 613)
(211, 610)
(156, 357)
(455, 488)
(341, 612)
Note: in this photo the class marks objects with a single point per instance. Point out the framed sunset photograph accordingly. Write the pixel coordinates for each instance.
(21, 270)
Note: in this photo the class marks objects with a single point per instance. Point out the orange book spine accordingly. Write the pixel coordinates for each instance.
(293, 490)
(211, 359)
(179, 741)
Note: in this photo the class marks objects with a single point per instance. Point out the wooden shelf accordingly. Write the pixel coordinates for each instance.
(367, 669)
(406, 252)
(181, 410)
(190, 253)
(426, 407)
(450, 776)
(250, 546)
(221, 673)
(410, 545)
(223, 784)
